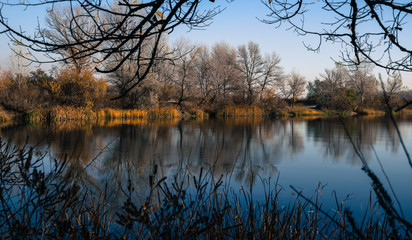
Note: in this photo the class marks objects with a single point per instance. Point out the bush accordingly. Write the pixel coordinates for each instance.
(79, 88)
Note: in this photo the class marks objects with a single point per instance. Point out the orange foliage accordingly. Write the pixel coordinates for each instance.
(79, 88)
(110, 113)
(163, 113)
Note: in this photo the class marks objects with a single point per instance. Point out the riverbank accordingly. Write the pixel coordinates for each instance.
(59, 114)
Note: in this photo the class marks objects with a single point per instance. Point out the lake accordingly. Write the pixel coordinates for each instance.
(304, 153)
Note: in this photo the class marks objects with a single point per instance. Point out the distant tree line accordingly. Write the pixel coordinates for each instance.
(209, 78)
(343, 88)
(180, 74)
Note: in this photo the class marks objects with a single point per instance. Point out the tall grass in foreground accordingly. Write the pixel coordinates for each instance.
(37, 204)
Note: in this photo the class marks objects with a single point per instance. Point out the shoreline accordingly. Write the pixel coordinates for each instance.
(61, 114)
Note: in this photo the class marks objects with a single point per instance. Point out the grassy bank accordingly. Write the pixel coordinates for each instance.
(59, 114)
(35, 204)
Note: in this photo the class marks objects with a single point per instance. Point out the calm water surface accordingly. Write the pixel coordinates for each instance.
(303, 153)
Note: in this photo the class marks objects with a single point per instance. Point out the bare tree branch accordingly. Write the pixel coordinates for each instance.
(371, 30)
(100, 29)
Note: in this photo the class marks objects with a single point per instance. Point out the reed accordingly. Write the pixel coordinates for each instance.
(370, 111)
(111, 113)
(197, 113)
(59, 114)
(238, 111)
(309, 112)
(163, 113)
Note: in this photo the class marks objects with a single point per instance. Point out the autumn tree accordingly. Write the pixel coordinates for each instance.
(47, 85)
(79, 88)
(17, 93)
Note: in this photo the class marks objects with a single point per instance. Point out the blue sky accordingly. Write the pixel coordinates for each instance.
(237, 24)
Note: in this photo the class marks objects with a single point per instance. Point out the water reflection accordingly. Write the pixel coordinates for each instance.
(105, 155)
(365, 132)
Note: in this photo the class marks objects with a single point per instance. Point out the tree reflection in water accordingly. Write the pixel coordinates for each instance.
(114, 155)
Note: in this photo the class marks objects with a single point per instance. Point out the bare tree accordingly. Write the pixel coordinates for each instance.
(371, 30)
(251, 65)
(101, 39)
(272, 73)
(203, 71)
(184, 68)
(393, 84)
(334, 80)
(363, 82)
(293, 86)
(224, 70)
(62, 31)
(19, 67)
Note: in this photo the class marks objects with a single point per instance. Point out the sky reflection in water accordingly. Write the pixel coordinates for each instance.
(305, 152)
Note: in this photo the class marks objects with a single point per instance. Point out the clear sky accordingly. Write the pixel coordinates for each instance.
(237, 24)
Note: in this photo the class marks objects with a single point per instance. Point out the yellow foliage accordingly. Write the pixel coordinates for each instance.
(110, 113)
(163, 113)
(198, 114)
(79, 88)
(309, 111)
(6, 80)
(4, 117)
(369, 111)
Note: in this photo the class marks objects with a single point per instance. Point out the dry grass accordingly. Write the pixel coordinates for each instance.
(197, 113)
(163, 113)
(110, 113)
(4, 116)
(304, 111)
(155, 113)
(59, 114)
(370, 111)
(238, 111)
